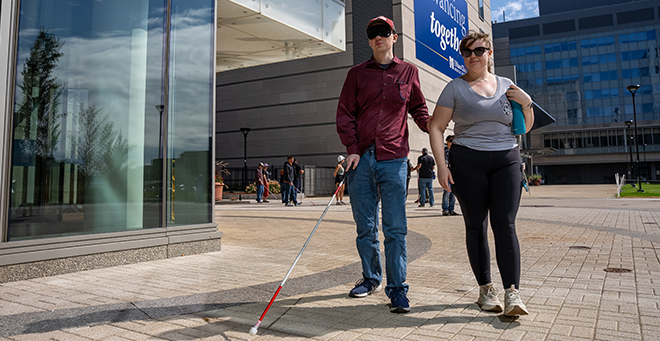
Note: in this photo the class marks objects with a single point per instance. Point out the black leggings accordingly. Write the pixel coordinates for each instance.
(489, 183)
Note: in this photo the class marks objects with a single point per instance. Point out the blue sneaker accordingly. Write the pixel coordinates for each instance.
(364, 288)
(400, 303)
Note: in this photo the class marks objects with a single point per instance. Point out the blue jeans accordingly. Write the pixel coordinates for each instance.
(385, 180)
(448, 200)
(260, 192)
(289, 194)
(285, 192)
(425, 183)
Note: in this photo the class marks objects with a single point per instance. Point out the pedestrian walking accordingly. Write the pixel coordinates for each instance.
(289, 193)
(267, 182)
(485, 171)
(298, 171)
(338, 173)
(426, 167)
(259, 182)
(448, 197)
(372, 123)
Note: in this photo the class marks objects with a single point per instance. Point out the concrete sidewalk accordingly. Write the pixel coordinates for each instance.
(568, 236)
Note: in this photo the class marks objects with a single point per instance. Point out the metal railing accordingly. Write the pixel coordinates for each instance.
(319, 181)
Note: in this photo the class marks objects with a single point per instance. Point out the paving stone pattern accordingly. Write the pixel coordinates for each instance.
(568, 236)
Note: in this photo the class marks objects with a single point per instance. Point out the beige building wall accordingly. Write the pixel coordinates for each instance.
(291, 106)
(432, 81)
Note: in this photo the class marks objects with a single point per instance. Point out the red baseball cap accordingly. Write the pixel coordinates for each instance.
(381, 20)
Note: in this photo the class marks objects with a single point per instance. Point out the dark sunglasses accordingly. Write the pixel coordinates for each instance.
(478, 51)
(380, 30)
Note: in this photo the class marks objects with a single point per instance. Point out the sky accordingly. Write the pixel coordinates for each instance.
(514, 9)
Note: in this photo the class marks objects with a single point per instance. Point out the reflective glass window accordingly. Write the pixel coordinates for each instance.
(641, 36)
(646, 89)
(588, 94)
(85, 155)
(191, 94)
(647, 108)
(611, 137)
(611, 58)
(93, 103)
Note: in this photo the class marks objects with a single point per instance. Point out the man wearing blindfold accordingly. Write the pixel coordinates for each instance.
(372, 123)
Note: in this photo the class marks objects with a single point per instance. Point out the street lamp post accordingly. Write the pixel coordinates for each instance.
(629, 138)
(633, 89)
(160, 109)
(245, 132)
(644, 146)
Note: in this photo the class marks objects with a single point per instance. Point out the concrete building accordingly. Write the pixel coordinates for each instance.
(577, 59)
(114, 112)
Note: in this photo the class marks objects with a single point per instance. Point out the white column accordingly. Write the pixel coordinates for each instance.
(136, 136)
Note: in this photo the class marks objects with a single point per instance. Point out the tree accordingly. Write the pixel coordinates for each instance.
(37, 117)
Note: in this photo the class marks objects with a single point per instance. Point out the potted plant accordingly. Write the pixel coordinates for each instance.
(220, 170)
(536, 179)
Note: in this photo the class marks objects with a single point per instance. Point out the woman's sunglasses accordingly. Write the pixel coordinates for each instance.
(478, 51)
(380, 30)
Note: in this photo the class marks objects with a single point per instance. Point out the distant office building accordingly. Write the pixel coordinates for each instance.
(576, 60)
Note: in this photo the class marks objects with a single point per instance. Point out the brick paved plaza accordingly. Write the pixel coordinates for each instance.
(568, 236)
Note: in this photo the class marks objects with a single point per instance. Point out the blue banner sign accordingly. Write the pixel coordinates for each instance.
(439, 27)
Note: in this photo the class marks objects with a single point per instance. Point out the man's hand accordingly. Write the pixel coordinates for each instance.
(352, 161)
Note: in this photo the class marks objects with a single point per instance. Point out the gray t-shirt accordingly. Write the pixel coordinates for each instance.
(480, 123)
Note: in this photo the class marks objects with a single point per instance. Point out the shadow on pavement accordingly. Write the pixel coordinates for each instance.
(41, 322)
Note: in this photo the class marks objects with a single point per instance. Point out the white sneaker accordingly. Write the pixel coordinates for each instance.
(513, 305)
(488, 300)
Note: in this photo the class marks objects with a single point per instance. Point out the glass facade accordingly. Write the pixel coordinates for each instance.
(582, 79)
(112, 116)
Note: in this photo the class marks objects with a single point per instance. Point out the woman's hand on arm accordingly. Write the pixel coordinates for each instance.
(437, 125)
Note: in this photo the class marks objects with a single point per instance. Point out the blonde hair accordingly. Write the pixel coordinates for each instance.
(474, 36)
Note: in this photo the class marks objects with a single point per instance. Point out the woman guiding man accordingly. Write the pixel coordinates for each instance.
(486, 169)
